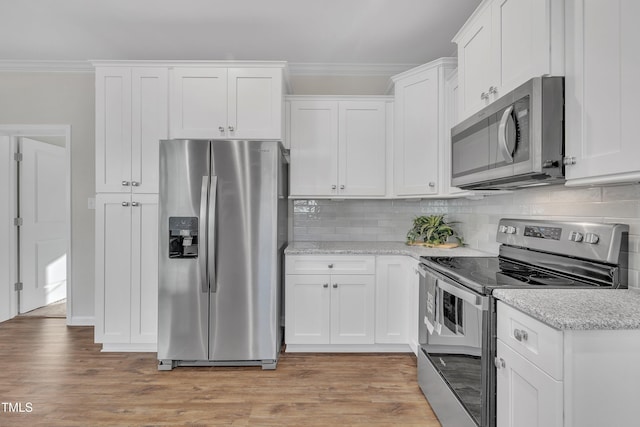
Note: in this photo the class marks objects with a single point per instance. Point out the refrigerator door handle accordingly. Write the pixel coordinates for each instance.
(211, 236)
(204, 194)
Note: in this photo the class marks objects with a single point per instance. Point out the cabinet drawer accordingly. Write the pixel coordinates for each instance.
(535, 341)
(330, 264)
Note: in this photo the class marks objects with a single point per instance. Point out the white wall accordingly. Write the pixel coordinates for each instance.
(389, 220)
(63, 99)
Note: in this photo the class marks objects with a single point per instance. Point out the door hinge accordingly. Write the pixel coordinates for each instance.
(17, 286)
(17, 157)
(17, 222)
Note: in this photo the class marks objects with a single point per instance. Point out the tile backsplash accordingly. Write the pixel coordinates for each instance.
(389, 220)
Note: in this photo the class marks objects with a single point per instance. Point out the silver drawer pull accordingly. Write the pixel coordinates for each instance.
(520, 335)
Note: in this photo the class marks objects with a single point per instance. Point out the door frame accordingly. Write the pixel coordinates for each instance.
(34, 131)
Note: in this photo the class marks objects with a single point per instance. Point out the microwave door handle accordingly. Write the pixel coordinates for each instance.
(502, 134)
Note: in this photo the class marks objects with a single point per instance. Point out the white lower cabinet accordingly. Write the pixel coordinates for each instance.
(348, 303)
(569, 378)
(126, 271)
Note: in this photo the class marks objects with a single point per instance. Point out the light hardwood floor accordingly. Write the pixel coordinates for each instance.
(68, 382)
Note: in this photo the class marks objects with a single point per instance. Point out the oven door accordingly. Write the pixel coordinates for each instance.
(454, 356)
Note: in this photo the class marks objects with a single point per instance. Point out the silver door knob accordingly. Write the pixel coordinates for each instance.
(125, 203)
(221, 129)
(125, 183)
(335, 285)
(231, 129)
(135, 204)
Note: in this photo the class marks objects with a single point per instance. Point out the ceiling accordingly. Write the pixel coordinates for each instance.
(359, 32)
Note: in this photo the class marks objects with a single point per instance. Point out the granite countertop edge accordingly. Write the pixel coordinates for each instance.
(376, 248)
(577, 309)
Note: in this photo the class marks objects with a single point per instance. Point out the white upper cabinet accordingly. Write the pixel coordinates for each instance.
(419, 128)
(220, 102)
(131, 118)
(338, 147)
(504, 44)
(602, 89)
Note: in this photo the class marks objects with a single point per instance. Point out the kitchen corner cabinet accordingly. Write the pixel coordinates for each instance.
(504, 44)
(571, 378)
(126, 271)
(419, 128)
(338, 146)
(227, 103)
(602, 91)
(131, 118)
(329, 300)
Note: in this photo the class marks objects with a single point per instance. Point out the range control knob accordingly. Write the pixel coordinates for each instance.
(510, 229)
(591, 238)
(502, 229)
(574, 236)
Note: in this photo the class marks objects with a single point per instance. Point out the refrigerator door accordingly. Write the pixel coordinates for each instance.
(183, 294)
(245, 297)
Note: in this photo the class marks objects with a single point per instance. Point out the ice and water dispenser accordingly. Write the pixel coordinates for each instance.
(183, 237)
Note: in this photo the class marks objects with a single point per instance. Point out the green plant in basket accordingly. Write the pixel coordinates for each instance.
(432, 230)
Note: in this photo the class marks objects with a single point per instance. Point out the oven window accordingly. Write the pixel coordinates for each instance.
(456, 352)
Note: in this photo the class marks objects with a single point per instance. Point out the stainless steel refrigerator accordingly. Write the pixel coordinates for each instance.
(223, 229)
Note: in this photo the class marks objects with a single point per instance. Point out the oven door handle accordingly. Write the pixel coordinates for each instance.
(467, 296)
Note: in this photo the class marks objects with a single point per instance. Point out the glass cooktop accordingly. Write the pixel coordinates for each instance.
(486, 273)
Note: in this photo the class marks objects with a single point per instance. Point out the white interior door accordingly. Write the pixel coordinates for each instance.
(7, 195)
(43, 257)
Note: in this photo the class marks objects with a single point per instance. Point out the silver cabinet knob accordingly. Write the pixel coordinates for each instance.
(333, 187)
(125, 183)
(432, 184)
(342, 187)
(221, 129)
(125, 203)
(330, 266)
(335, 285)
(326, 285)
(135, 204)
(484, 96)
(520, 335)
(493, 90)
(231, 129)
(499, 362)
(135, 184)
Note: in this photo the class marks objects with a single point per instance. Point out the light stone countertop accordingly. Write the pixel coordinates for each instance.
(375, 248)
(577, 309)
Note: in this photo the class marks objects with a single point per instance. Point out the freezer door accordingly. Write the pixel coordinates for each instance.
(245, 297)
(183, 294)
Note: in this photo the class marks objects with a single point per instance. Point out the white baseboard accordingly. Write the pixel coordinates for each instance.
(81, 321)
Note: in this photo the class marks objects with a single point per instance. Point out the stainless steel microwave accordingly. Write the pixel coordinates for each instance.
(516, 141)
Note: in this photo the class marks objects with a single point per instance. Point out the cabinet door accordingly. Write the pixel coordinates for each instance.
(352, 309)
(393, 302)
(475, 65)
(519, 42)
(526, 396)
(602, 91)
(113, 129)
(150, 103)
(198, 103)
(113, 268)
(417, 127)
(144, 268)
(362, 148)
(307, 309)
(314, 148)
(255, 103)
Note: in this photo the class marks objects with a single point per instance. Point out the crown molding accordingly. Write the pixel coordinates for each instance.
(46, 66)
(343, 69)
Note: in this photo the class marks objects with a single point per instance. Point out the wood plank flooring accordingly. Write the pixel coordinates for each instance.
(61, 372)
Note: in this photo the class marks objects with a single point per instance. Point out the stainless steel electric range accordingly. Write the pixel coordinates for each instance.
(456, 369)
